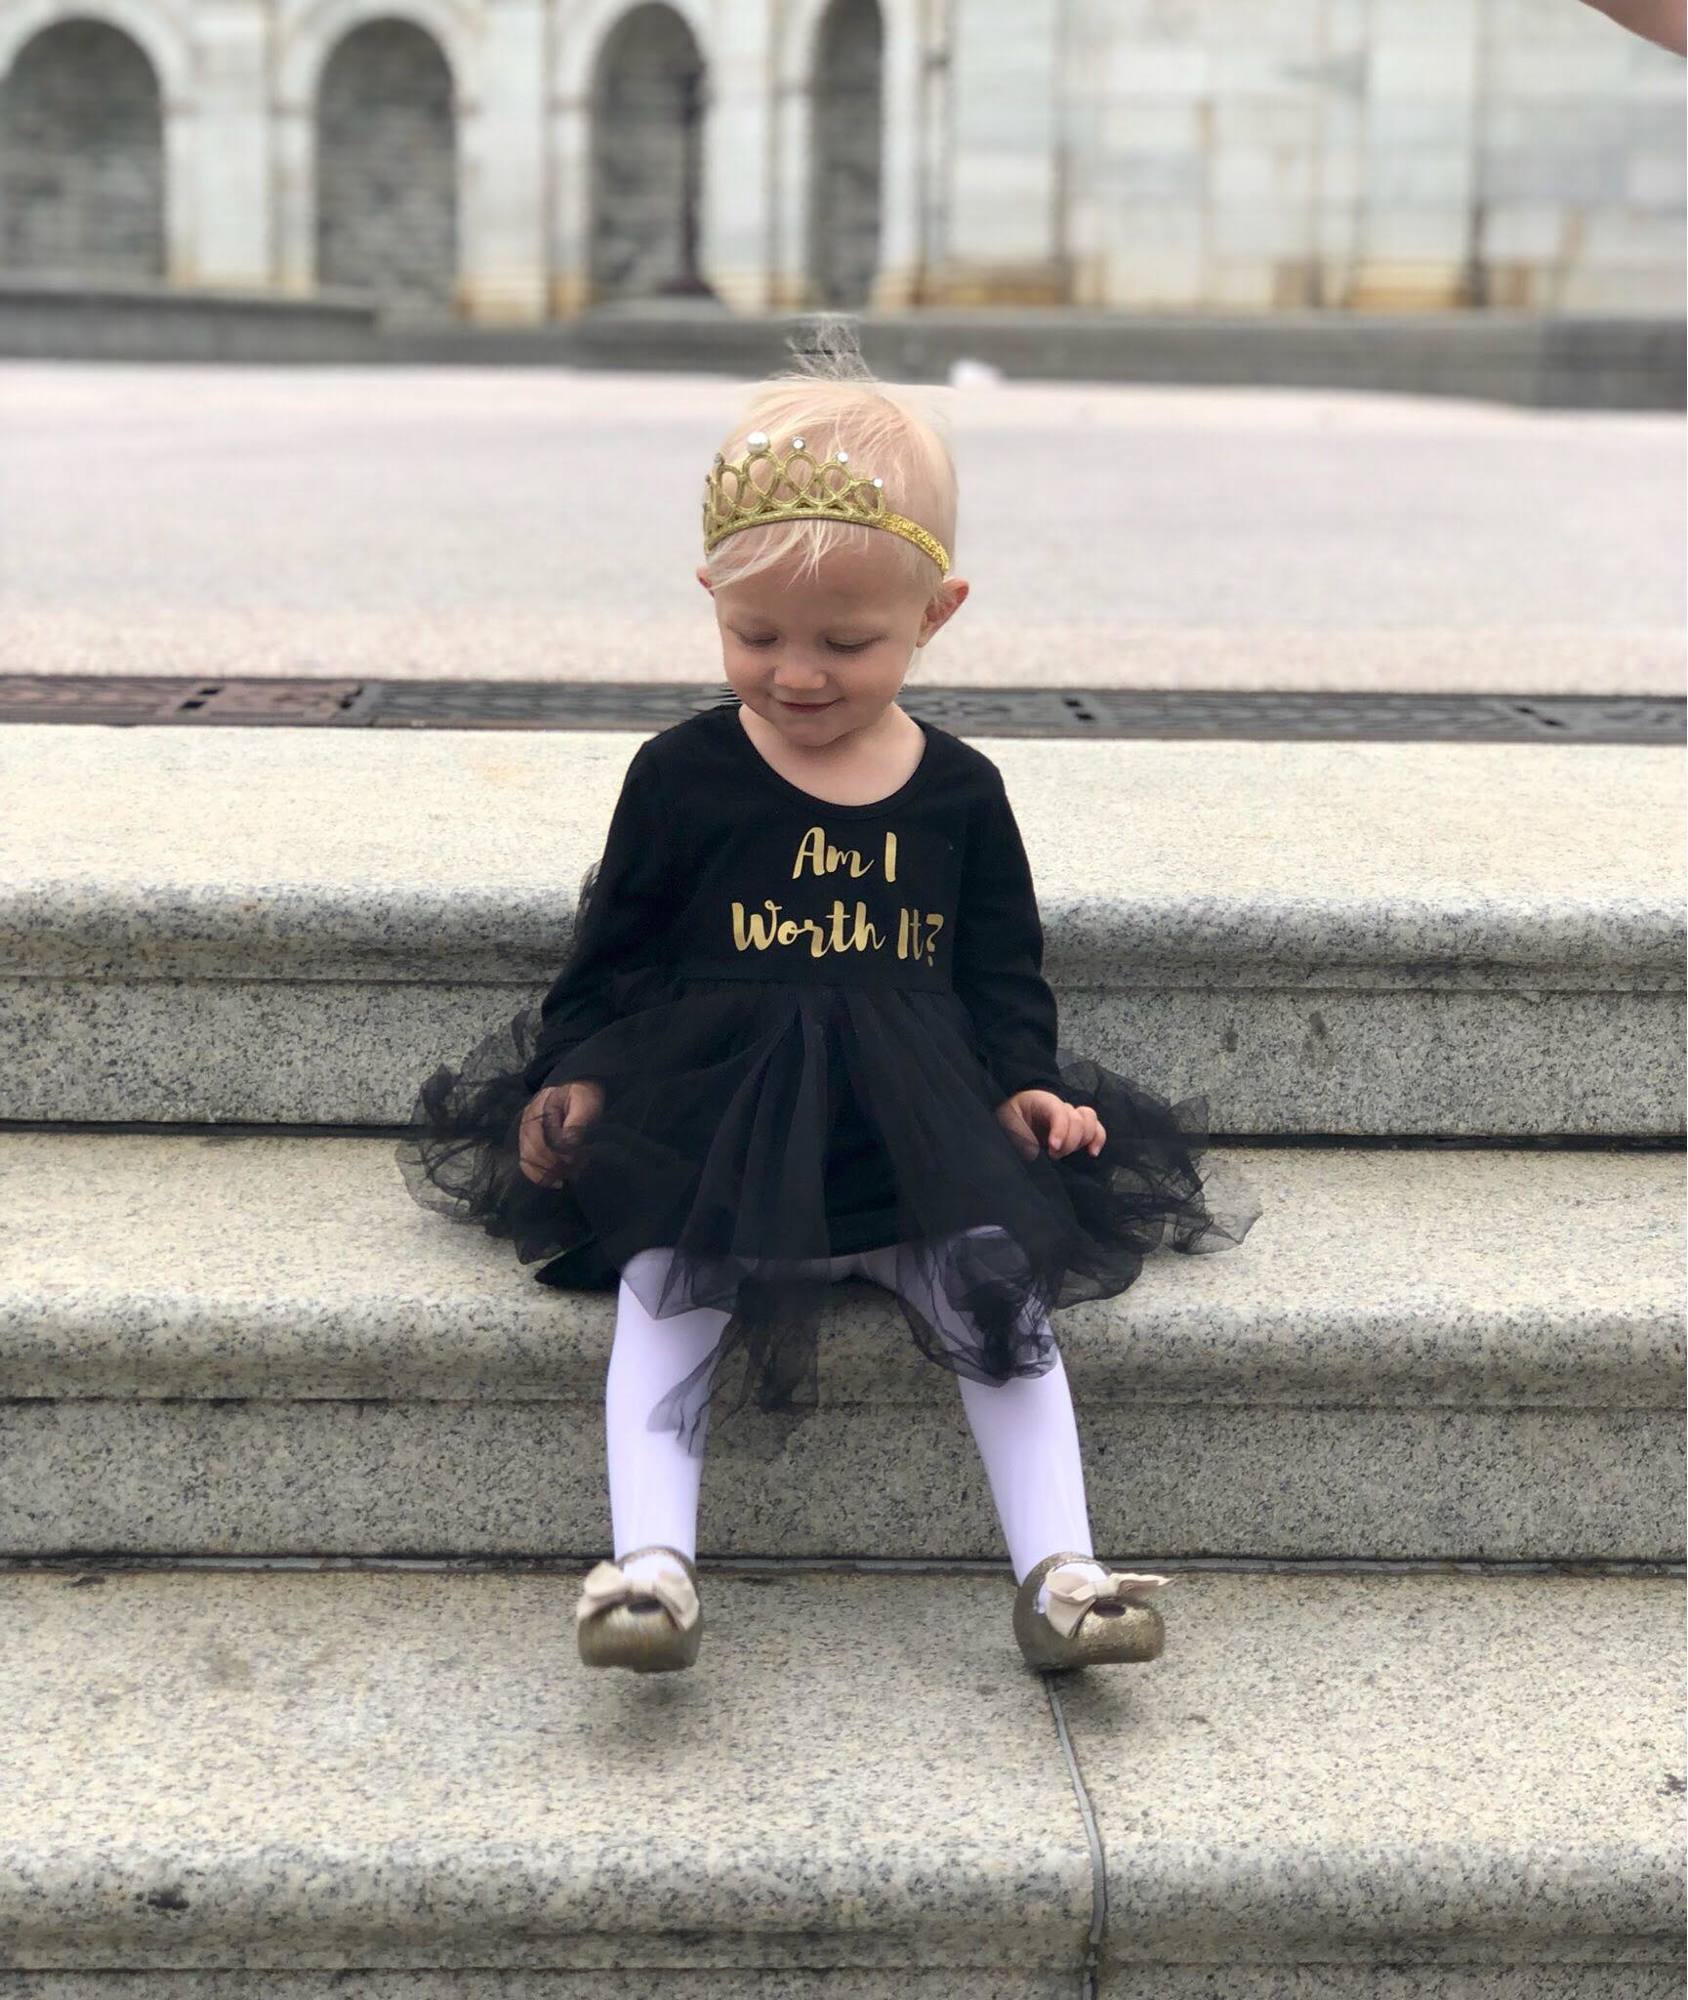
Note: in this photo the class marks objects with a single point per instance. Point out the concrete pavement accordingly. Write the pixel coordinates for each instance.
(542, 524)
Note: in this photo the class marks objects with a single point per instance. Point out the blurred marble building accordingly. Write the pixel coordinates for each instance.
(514, 160)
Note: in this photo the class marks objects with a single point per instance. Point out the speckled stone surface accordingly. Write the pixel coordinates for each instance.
(413, 1769)
(225, 1264)
(409, 852)
(296, 926)
(1598, 1981)
(1170, 1982)
(603, 1983)
(1430, 1769)
(222, 1344)
(409, 1771)
(1307, 1061)
(379, 1478)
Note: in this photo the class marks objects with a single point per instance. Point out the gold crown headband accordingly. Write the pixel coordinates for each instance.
(828, 491)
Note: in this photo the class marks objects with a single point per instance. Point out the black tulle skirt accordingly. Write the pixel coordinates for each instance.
(754, 1127)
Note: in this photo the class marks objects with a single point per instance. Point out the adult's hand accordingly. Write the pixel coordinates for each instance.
(1661, 21)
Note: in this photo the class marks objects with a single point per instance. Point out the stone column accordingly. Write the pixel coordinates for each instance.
(1002, 235)
(295, 196)
(502, 188)
(570, 204)
(788, 287)
(902, 177)
(185, 200)
(229, 232)
(737, 224)
(1417, 146)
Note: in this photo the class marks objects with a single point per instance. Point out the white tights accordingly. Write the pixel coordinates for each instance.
(1024, 1429)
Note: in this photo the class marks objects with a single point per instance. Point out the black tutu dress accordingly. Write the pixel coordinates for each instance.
(802, 1017)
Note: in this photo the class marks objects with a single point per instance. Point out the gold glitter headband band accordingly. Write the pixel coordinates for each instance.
(733, 498)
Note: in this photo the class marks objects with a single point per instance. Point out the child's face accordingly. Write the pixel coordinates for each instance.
(823, 656)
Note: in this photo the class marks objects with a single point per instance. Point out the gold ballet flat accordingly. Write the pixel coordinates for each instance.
(1087, 1625)
(654, 1625)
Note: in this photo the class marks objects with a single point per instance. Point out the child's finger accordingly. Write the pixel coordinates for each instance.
(548, 1128)
(1075, 1125)
(1013, 1122)
(537, 1165)
(530, 1146)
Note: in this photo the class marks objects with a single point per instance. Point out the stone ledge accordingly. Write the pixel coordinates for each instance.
(227, 1345)
(410, 1771)
(1572, 360)
(1165, 1483)
(670, 1983)
(202, 1265)
(1356, 938)
(42, 318)
(266, 854)
(1595, 1981)
(1550, 360)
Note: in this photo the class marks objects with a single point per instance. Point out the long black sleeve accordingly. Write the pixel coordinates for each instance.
(628, 908)
(998, 960)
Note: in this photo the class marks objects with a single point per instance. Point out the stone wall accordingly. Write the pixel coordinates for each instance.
(506, 158)
(1406, 155)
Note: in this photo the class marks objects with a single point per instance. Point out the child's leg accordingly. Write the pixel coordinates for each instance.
(654, 1479)
(1027, 1437)
(1028, 1440)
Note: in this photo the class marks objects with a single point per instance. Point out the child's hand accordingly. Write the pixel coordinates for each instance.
(1030, 1116)
(550, 1123)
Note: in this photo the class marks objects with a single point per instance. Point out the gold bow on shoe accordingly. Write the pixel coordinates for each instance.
(608, 1584)
(1072, 1595)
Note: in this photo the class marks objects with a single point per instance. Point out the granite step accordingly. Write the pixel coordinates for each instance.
(302, 1781)
(225, 1344)
(294, 927)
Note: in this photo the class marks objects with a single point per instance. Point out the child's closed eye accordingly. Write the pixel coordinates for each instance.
(859, 646)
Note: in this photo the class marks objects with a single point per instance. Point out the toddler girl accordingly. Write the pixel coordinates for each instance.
(803, 1033)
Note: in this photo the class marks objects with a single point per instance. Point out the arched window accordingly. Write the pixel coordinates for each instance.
(844, 155)
(647, 158)
(82, 156)
(387, 169)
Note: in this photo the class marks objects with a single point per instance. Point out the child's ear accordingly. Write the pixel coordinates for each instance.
(943, 606)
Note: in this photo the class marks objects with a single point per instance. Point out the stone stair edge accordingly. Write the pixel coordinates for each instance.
(1248, 1807)
(216, 857)
(366, 1296)
(279, 932)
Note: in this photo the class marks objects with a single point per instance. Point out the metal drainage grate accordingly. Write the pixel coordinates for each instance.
(1052, 712)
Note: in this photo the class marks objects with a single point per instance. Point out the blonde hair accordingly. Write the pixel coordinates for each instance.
(832, 400)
